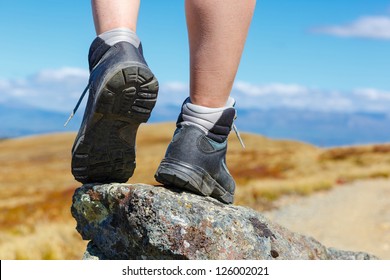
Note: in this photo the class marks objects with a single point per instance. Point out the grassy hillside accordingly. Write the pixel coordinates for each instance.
(36, 186)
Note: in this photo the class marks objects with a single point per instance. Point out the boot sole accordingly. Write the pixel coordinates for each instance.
(192, 178)
(107, 151)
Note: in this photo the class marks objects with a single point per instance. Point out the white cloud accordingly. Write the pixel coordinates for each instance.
(270, 89)
(59, 90)
(374, 27)
(62, 74)
(279, 95)
(50, 89)
(172, 93)
(175, 86)
(372, 94)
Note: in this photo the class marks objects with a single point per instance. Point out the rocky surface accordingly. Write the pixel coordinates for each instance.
(146, 222)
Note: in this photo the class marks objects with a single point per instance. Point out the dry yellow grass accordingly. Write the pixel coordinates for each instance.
(36, 185)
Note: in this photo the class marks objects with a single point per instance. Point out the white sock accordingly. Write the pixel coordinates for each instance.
(204, 116)
(122, 34)
(206, 110)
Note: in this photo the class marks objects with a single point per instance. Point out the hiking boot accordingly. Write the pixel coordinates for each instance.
(122, 94)
(196, 157)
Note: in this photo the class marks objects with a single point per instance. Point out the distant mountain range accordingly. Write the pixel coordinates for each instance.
(319, 128)
(16, 121)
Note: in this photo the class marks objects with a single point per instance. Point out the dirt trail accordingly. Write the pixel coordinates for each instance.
(354, 217)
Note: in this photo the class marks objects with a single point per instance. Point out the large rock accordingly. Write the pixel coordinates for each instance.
(145, 222)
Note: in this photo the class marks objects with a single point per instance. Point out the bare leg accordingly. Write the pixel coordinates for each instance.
(217, 31)
(110, 14)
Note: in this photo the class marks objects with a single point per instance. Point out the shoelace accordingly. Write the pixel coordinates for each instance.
(238, 134)
(236, 129)
(78, 104)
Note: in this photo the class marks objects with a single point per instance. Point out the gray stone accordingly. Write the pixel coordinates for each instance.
(93, 253)
(145, 222)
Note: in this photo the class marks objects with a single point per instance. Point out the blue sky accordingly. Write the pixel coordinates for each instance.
(329, 55)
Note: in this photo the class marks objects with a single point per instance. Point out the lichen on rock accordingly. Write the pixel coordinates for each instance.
(139, 221)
